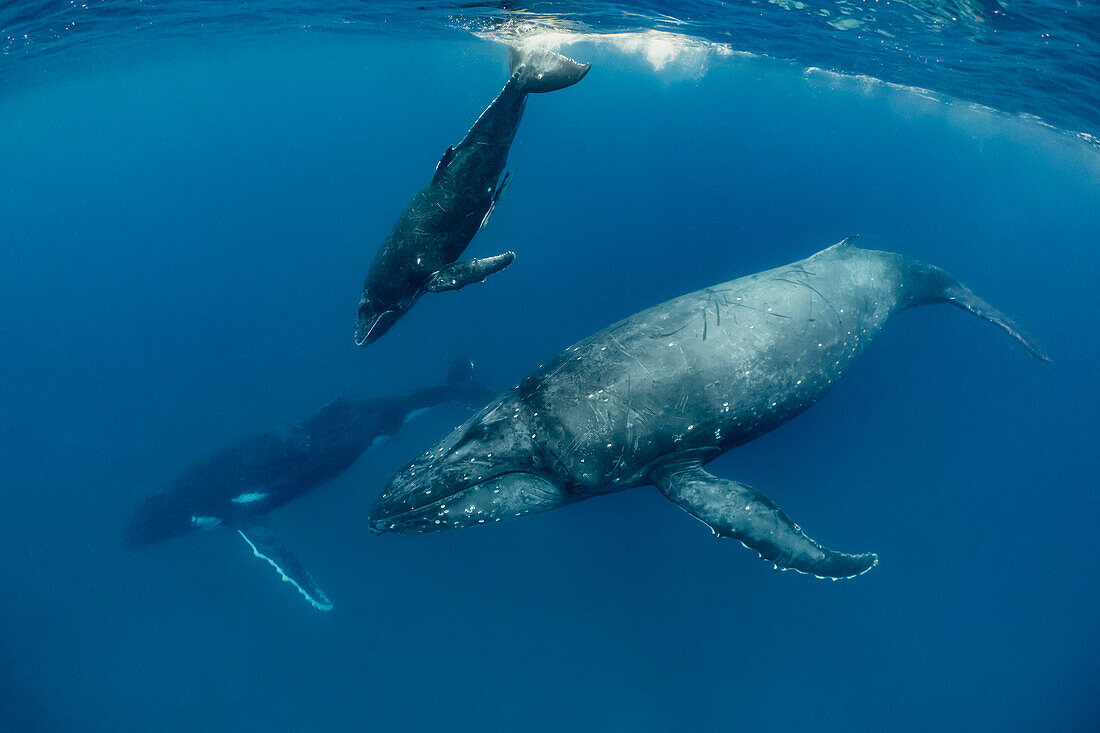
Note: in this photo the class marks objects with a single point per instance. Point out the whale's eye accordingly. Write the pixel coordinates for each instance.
(474, 433)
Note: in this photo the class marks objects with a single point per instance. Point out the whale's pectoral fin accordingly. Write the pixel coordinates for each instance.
(467, 272)
(734, 510)
(267, 546)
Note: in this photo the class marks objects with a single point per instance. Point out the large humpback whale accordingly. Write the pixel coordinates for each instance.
(420, 254)
(236, 487)
(653, 398)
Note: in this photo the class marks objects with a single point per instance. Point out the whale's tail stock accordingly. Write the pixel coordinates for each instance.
(538, 70)
(923, 284)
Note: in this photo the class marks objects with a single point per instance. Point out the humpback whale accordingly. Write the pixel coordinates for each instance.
(653, 398)
(237, 486)
(420, 254)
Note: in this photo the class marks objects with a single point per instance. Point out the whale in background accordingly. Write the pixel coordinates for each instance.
(238, 486)
(420, 254)
(653, 398)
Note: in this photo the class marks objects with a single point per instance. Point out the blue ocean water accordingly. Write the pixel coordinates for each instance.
(191, 194)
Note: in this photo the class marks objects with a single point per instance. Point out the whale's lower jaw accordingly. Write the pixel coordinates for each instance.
(370, 327)
(508, 495)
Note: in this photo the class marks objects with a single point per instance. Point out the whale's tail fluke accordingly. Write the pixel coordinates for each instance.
(962, 296)
(538, 70)
(939, 286)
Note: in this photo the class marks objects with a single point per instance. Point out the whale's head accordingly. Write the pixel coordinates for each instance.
(375, 319)
(488, 469)
(160, 517)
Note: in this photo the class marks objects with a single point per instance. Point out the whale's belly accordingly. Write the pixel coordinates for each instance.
(707, 371)
(432, 232)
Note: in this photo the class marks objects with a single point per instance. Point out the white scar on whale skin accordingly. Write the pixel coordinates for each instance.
(249, 497)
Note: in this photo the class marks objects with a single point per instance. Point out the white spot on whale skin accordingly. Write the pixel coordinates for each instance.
(249, 497)
(205, 522)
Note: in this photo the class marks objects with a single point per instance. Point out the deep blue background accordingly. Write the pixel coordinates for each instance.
(184, 235)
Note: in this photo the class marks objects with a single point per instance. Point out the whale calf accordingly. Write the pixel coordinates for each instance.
(420, 254)
(653, 398)
(237, 487)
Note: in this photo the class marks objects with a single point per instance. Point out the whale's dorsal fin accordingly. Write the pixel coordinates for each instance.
(448, 156)
(735, 510)
(267, 546)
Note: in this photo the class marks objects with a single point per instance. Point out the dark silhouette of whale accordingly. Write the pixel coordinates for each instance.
(653, 398)
(236, 487)
(420, 254)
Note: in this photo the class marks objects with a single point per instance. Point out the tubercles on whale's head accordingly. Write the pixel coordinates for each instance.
(487, 470)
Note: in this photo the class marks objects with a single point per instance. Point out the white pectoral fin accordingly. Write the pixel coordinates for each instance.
(267, 546)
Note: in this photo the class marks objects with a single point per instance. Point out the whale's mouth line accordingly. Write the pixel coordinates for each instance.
(360, 340)
(377, 320)
(395, 518)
